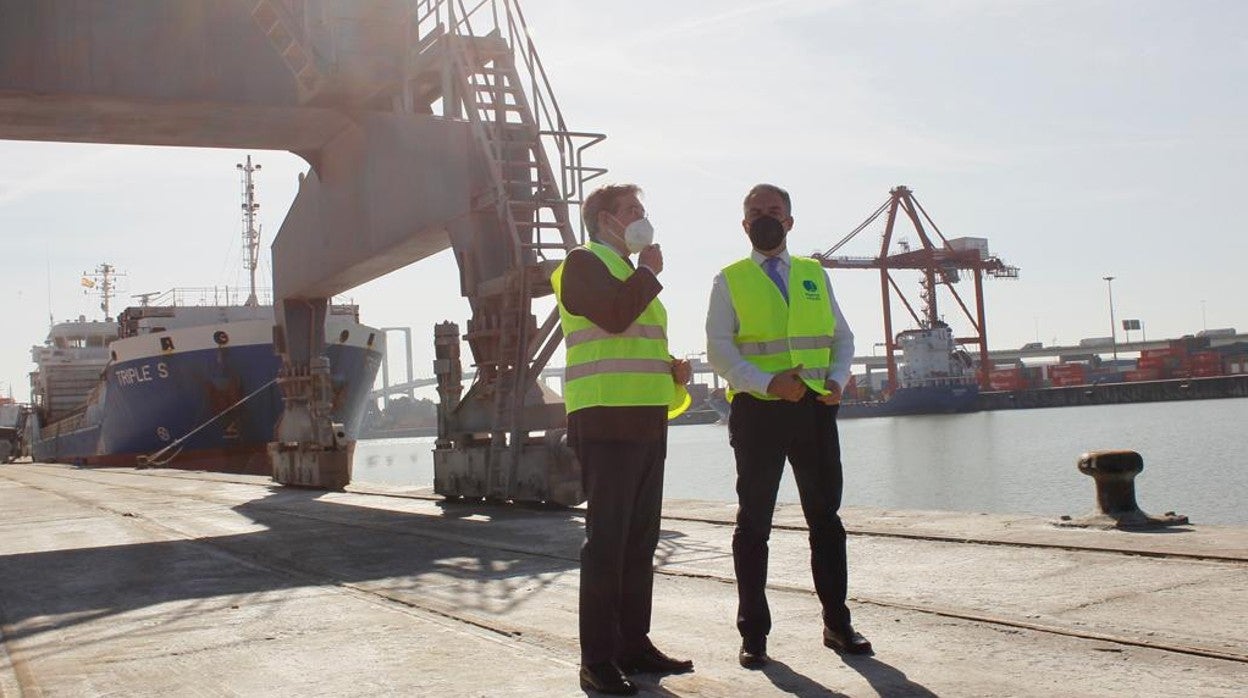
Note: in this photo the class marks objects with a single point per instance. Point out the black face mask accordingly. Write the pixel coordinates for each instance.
(766, 233)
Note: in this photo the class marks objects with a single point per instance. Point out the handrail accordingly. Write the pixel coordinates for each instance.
(219, 295)
(196, 296)
(457, 18)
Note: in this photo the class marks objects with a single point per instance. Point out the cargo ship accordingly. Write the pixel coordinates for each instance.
(934, 377)
(187, 379)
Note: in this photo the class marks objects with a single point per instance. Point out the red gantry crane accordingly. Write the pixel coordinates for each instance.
(940, 263)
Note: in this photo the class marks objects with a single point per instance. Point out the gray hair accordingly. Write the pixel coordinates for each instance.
(788, 202)
(604, 198)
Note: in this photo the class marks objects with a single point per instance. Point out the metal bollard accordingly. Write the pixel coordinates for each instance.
(1114, 473)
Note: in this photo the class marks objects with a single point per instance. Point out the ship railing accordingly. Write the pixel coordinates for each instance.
(204, 295)
(942, 381)
(195, 296)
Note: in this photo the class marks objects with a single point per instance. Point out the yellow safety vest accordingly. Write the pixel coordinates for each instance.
(626, 369)
(776, 336)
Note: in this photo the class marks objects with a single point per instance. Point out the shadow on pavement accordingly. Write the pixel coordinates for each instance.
(789, 681)
(481, 563)
(887, 680)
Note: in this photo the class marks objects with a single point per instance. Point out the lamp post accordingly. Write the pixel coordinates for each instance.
(1113, 331)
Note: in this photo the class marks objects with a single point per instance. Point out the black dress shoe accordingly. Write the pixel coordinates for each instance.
(846, 641)
(605, 677)
(652, 661)
(753, 652)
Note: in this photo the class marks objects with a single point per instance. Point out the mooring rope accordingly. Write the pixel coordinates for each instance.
(151, 461)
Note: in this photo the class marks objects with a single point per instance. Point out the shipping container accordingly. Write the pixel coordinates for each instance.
(1153, 362)
(1007, 378)
(1156, 353)
(1206, 358)
(1143, 374)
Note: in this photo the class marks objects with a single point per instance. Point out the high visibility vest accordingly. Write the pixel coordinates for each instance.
(626, 369)
(774, 335)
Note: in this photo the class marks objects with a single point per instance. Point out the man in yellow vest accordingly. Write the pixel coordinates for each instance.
(620, 386)
(776, 334)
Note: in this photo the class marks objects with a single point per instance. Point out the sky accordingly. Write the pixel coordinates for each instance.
(1083, 139)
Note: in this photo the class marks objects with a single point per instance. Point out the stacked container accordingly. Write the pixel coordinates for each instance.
(1064, 375)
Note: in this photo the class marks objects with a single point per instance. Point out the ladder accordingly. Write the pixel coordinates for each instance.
(530, 205)
(290, 41)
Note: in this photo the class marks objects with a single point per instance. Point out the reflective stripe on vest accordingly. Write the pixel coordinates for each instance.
(594, 368)
(779, 345)
(617, 369)
(774, 335)
(590, 334)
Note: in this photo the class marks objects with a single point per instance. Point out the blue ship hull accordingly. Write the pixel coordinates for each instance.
(912, 401)
(144, 404)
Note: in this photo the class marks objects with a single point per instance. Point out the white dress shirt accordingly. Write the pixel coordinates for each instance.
(721, 330)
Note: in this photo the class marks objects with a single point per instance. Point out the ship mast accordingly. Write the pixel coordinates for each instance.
(251, 235)
(103, 280)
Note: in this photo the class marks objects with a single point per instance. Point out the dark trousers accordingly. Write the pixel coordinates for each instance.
(763, 434)
(624, 488)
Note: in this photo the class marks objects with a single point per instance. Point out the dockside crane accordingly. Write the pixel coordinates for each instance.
(940, 262)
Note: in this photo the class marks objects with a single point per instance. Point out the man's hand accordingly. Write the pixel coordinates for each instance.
(788, 385)
(651, 258)
(682, 371)
(834, 393)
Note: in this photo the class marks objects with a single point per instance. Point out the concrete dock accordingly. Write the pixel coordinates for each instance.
(171, 583)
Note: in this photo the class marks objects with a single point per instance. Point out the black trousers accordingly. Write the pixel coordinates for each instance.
(763, 434)
(624, 486)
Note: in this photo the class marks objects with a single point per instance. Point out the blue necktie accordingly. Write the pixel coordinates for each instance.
(772, 266)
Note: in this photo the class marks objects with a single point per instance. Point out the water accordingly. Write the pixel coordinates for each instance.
(1008, 461)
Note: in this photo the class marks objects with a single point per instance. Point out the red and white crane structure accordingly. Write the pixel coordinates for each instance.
(940, 263)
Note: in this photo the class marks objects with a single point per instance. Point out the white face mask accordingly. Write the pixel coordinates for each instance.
(638, 235)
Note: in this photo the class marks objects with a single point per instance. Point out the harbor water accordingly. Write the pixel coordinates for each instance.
(1007, 461)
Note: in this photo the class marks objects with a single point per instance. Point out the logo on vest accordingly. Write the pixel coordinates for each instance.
(811, 289)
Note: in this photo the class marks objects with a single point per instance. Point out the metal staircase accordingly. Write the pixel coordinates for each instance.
(487, 58)
(528, 201)
(288, 39)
